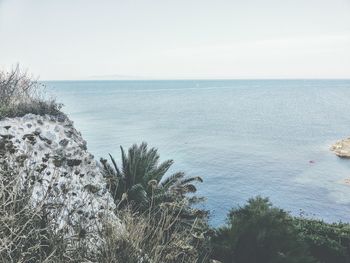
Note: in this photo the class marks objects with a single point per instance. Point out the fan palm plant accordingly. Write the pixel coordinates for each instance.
(140, 180)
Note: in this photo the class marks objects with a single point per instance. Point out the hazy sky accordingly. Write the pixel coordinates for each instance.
(81, 39)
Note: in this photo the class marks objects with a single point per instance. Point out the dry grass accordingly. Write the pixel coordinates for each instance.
(155, 238)
(24, 232)
(26, 235)
(20, 94)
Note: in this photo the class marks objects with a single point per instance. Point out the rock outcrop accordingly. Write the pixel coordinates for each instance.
(342, 148)
(52, 157)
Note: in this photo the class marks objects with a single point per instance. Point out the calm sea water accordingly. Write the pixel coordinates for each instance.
(243, 137)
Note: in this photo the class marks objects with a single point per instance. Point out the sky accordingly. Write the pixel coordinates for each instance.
(178, 39)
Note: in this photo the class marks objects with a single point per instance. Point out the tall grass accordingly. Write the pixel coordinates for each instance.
(21, 94)
(26, 233)
(151, 241)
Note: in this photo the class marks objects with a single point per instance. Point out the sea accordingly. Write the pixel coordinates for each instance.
(245, 138)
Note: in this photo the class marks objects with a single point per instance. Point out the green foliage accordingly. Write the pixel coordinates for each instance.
(259, 233)
(140, 179)
(328, 242)
(140, 183)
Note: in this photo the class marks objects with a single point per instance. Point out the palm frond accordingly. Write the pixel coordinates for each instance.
(138, 194)
(126, 169)
(189, 188)
(172, 179)
(119, 174)
(160, 171)
(195, 200)
(191, 179)
(160, 198)
(107, 170)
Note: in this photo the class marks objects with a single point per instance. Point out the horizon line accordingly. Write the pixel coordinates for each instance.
(193, 79)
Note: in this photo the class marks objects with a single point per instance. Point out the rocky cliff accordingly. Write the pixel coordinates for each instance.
(342, 148)
(52, 158)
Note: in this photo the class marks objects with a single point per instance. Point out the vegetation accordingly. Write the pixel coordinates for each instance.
(327, 242)
(141, 183)
(152, 241)
(259, 232)
(140, 179)
(26, 236)
(20, 95)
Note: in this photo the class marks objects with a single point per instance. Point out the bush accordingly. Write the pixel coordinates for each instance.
(20, 95)
(328, 242)
(259, 233)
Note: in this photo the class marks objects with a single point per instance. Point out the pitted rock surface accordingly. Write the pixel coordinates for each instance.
(64, 175)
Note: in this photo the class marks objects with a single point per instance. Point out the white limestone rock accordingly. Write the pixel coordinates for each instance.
(64, 175)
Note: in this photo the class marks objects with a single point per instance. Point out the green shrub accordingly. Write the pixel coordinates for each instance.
(328, 242)
(259, 233)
